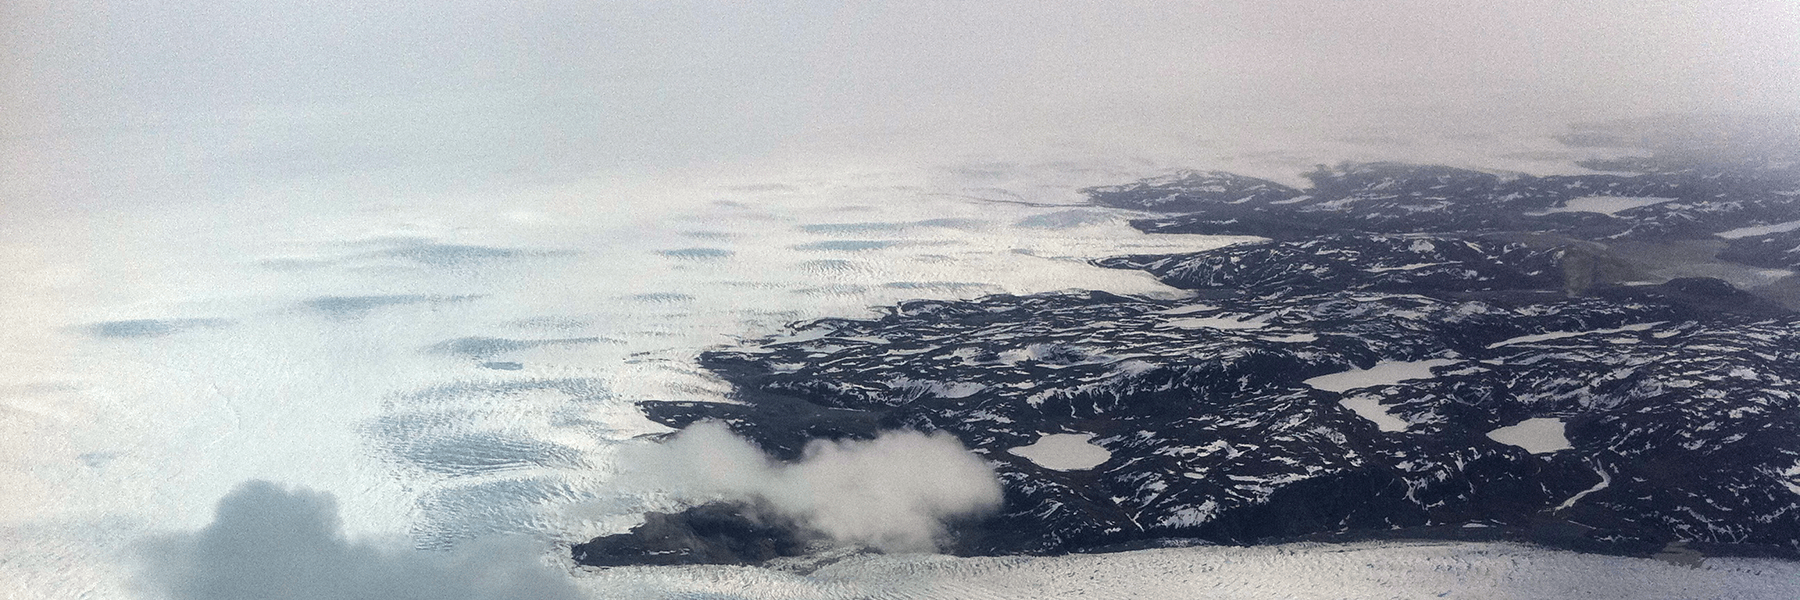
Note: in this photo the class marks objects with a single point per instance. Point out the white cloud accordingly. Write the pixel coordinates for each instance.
(894, 492)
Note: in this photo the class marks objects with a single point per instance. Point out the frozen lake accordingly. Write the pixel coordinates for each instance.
(1064, 452)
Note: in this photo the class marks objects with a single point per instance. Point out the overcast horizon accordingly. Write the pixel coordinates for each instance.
(116, 100)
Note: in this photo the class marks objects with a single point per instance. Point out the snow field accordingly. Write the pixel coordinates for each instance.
(1289, 572)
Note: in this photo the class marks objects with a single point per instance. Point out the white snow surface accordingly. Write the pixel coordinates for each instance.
(1287, 572)
(1064, 452)
(1540, 435)
(1383, 373)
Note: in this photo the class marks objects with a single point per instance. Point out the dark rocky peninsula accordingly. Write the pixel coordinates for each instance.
(1265, 407)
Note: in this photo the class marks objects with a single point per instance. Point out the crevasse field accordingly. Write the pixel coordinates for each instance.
(461, 365)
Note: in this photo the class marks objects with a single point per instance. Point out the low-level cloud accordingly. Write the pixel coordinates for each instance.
(895, 492)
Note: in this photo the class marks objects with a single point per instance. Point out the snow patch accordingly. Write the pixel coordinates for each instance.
(1369, 407)
(1411, 267)
(1788, 477)
(1384, 373)
(1605, 480)
(1192, 516)
(1189, 309)
(1556, 335)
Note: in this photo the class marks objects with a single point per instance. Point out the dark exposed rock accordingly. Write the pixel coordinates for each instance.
(1345, 262)
(1401, 198)
(1215, 435)
(1719, 174)
(717, 533)
(1679, 401)
(1703, 295)
(1771, 250)
(1389, 198)
(1190, 191)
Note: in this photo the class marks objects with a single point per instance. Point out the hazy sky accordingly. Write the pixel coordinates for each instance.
(111, 94)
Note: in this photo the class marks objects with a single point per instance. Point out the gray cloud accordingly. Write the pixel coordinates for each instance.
(894, 492)
(275, 543)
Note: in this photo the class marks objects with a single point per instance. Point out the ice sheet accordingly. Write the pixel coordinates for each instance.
(1292, 571)
(448, 368)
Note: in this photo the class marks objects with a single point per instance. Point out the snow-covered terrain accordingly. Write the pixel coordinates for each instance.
(1297, 571)
(447, 367)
